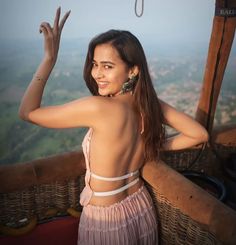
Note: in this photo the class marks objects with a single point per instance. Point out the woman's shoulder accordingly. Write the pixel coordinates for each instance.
(92, 101)
(99, 101)
(105, 111)
(103, 104)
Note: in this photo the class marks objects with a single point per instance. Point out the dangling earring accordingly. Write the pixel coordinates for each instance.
(129, 84)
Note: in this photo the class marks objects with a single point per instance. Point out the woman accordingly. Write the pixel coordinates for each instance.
(125, 120)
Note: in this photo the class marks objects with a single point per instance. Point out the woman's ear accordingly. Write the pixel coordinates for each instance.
(134, 71)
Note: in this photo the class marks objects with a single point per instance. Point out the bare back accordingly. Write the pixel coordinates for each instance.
(116, 148)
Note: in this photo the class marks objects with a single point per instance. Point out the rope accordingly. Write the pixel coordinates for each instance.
(136, 8)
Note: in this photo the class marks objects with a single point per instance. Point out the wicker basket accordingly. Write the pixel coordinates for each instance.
(177, 200)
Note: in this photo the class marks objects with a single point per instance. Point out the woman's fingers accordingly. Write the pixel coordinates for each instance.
(52, 35)
(46, 28)
(64, 20)
(43, 28)
(57, 18)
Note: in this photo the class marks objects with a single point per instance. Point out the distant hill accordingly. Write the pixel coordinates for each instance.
(177, 77)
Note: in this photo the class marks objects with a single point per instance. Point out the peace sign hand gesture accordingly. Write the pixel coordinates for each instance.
(52, 36)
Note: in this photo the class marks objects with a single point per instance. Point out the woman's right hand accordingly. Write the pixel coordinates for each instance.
(52, 36)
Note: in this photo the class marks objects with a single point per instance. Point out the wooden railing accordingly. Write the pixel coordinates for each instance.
(185, 212)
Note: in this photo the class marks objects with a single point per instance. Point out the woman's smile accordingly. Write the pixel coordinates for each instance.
(109, 70)
(102, 85)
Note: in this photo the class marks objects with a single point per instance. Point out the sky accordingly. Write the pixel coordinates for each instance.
(163, 21)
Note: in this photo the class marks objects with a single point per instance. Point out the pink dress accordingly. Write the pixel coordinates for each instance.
(130, 221)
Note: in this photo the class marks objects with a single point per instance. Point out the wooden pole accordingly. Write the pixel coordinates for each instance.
(221, 40)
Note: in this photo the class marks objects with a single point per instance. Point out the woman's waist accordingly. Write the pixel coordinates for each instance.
(112, 183)
(103, 200)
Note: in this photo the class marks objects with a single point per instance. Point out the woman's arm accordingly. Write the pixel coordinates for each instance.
(33, 94)
(191, 133)
(84, 112)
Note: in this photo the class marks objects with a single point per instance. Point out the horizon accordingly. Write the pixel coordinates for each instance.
(165, 27)
(172, 21)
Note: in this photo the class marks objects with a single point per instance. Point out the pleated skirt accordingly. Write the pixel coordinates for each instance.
(131, 221)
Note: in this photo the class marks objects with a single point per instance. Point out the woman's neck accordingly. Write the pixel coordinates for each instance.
(120, 93)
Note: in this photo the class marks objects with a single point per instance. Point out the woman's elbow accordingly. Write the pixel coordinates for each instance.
(23, 115)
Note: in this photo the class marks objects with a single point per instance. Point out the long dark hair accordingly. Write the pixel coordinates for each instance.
(132, 53)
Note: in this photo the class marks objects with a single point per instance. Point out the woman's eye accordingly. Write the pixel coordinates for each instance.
(107, 66)
(94, 65)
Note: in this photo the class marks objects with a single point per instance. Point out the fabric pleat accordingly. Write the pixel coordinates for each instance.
(131, 221)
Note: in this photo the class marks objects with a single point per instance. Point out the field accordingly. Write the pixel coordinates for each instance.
(177, 77)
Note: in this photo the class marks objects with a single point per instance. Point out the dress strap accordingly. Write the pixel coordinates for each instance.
(126, 176)
(116, 191)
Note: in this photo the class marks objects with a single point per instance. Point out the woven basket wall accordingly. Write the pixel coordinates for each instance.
(174, 226)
